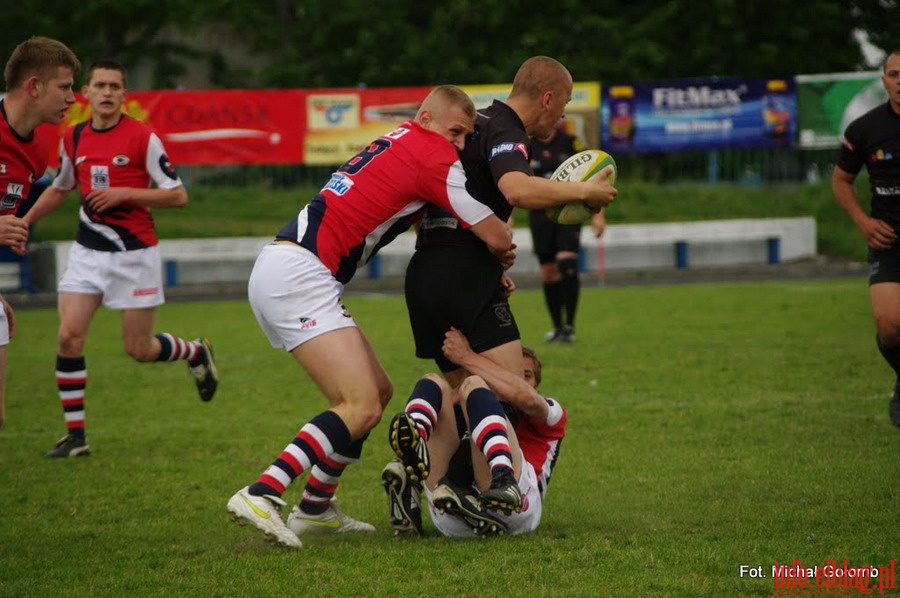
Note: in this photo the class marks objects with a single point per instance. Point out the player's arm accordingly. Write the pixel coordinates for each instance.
(100, 200)
(47, 202)
(878, 233)
(507, 386)
(496, 234)
(533, 192)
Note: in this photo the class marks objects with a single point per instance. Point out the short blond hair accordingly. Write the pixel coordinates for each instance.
(539, 74)
(40, 56)
(448, 95)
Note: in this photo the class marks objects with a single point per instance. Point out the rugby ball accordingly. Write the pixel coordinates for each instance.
(583, 166)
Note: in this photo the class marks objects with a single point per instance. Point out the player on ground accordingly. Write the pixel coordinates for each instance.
(457, 467)
(873, 141)
(115, 260)
(39, 78)
(295, 291)
(557, 245)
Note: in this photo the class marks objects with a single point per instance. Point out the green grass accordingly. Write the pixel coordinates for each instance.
(711, 426)
(255, 211)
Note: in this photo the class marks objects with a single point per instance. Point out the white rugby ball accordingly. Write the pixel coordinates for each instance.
(583, 166)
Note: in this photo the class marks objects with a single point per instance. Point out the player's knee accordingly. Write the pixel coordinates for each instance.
(70, 343)
(568, 267)
(888, 328)
(141, 352)
(385, 392)
(470, 384)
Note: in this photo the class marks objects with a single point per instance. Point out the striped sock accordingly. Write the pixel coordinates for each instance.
(325, 434)
(71, 380)
(324, 476)
(173, 348)
(423, 406)
(489, 431)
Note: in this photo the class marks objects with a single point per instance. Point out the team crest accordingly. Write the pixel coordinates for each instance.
(167, 167)
(120, 160)
(12, 197)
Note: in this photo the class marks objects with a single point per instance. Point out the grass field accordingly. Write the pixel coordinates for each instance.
(711, 426)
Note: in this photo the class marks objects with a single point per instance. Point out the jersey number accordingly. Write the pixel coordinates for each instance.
(359, 161)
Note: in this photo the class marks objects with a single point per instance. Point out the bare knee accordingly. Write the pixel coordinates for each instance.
(142, 351)
(888, 330)
(70, 343)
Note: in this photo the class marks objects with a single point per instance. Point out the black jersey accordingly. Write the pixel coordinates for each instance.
(498, 145)
(873, 140)
(547, 156)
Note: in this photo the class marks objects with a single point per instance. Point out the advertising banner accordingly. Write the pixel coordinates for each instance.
(340, 122)
(698, 114)
(218, 127)
(828, 103)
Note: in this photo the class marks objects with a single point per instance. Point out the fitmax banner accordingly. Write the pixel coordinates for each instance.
(698, 114)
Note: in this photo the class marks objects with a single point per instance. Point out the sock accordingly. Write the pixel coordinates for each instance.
(424, 405)
(891, 356)
(71, 379)
(489, 431)
(554, 304)
(323, 435)
(569, 286)
(173, 348)
(323, 478)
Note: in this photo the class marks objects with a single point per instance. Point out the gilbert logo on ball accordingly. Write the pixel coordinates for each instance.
(581, 167)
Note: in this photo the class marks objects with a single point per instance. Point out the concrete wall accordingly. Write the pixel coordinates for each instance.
(623, 247)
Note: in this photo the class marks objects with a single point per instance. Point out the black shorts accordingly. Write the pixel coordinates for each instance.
(549, 238)
(884, 266)
(459, 287)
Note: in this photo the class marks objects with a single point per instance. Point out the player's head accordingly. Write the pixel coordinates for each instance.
(532, 366)
(448, 111)
(105, 88)
(890, 77)
(545, 86)
(43, 70)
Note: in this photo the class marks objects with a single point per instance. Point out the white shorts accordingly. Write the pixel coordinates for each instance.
(517, 523)
(294, 296)
(126, 279)
(4, 329)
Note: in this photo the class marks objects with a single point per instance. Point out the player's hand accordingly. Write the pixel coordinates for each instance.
(101, 200)
(878, 233)
(10, 316)
(508, 258)
(601, 193)
(507, 283)
(456, 346)
(13, 231)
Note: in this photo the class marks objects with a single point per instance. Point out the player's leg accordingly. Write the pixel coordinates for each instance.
(491, 433)
(135, 286)
(76, 312)
(567, 245)
(543, 236)
(419, 423)
(885, 300)
(317, 511)
(142, 345)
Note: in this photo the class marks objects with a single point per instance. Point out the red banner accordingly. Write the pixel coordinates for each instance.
(218, 127)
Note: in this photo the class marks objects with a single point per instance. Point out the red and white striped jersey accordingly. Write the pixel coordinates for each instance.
(378, 194)
(22, 162)
(540, 441)
(128, 154)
